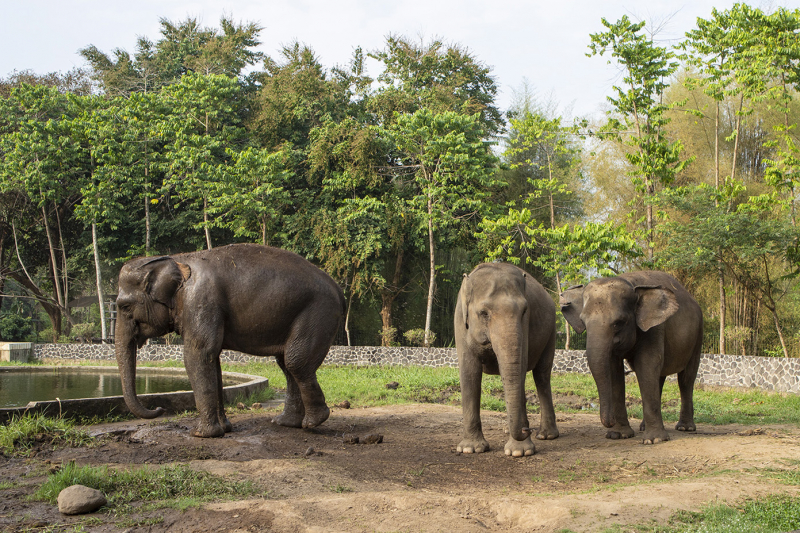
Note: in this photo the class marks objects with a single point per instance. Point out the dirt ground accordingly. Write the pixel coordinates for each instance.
(315, 481)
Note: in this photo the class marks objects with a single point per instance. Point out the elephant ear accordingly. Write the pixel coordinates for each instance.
(571, 302)
(463, 299)
(654, 306)
(163, 276)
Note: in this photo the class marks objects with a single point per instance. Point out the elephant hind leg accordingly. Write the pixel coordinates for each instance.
(305, 350)
(686, 379)
(293, 410)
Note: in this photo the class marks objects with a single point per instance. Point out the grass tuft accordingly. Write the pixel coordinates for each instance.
(22, 432)
(175, 485)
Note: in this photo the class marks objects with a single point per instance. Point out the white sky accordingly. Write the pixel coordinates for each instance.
(543, 42)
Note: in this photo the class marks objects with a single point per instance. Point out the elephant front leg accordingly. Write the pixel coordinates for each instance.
(650, 385)
(202, 367)
(471, 374)
(622, 428)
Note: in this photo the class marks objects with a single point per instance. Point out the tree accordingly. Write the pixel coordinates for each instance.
(41, 163)
(201, 124)
(751, 242)
(249, 201)
(184, 47)
(453, 168)
(352, 226)
(640, 113)
(435, 76)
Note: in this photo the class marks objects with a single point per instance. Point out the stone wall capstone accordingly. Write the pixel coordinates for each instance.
(767, 373)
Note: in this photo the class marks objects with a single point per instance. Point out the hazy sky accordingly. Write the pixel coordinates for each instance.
(543, 42)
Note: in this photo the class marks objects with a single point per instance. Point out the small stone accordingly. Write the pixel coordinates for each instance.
(350, 439)
(79, 499)
(392, 385)
(372, 438)
(343, 405)
(256, 405)
(241, 405)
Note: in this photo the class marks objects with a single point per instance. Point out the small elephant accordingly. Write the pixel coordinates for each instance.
(246, 297)
(505, 324)
(650, 320)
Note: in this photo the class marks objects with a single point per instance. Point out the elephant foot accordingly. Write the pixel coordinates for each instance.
(547, 433)
(290, 419)
(477, 445)
(619, 432)
(208, 431)
(316, 416)
(520, 448)
(654, 437)
(686, 426)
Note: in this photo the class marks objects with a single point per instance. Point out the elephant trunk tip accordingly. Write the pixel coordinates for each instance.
(607, 421)
(143, 412)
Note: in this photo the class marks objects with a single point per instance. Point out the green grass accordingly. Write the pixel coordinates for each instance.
(774, 514)
(176, 486)
(19, 435)
(365, 386)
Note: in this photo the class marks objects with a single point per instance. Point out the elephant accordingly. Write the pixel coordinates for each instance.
(651, 321)
(505, 324)
(254, 299)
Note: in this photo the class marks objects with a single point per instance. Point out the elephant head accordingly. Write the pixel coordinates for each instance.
(614, 312)
(494, 311)
(147, 306)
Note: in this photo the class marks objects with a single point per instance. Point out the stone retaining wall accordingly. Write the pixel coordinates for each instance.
(768, 373)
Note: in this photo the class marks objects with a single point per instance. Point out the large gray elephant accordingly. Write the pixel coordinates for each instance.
(649, 319)
(505, 324)
(254, 299)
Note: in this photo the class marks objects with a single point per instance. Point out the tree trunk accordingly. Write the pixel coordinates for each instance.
(388, 296)
(147, 226)
(100, 296)
(64, 272)
(432, 279)
(720, 269)
(347, 317)
(205, 223)
(722, 307)
(56, 282)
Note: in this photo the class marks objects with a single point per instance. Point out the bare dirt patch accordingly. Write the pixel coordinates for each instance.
(313, 480)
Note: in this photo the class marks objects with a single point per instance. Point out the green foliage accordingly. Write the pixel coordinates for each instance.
(14, 327)
(416, 337)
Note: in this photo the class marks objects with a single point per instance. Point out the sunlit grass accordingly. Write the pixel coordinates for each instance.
(19, 435)
(174, 485)
(365, 386)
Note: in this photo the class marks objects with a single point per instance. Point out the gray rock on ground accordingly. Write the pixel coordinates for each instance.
(79, 499)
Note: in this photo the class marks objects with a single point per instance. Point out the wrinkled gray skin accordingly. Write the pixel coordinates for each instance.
(648, 319)
(505, 324)
(250, 298)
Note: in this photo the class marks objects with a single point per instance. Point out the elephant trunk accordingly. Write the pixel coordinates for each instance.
(125, 350)
(598, 355)
(511, 354)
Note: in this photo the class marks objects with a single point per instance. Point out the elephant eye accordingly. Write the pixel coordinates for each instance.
(619, 324)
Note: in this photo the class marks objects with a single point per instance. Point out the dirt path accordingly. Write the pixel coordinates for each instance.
(415, 481)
